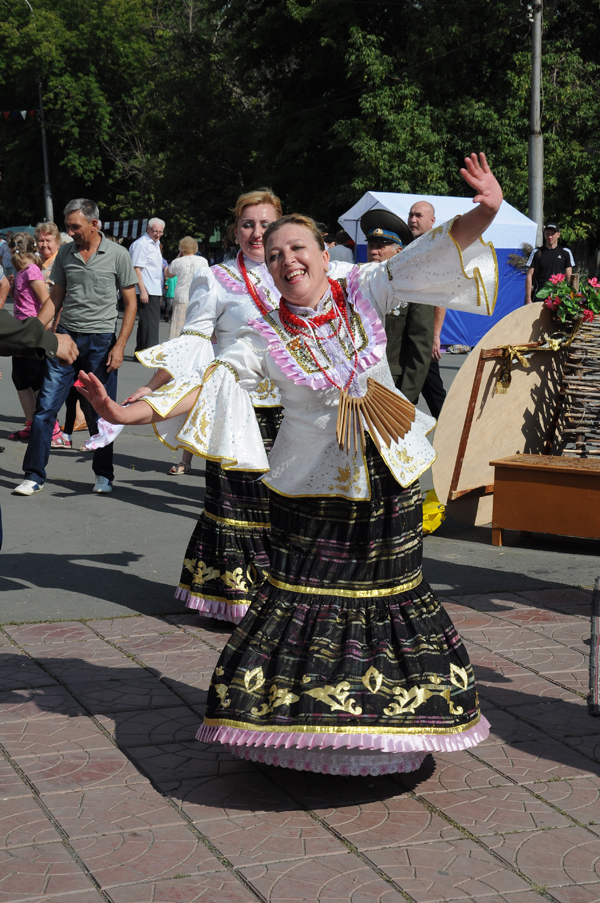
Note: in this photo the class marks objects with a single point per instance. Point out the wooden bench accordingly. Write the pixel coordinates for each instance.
(545, 494)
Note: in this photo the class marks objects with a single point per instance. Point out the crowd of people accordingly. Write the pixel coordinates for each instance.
(342, 660)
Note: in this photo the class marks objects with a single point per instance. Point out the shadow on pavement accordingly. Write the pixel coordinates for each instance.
(148, 494)
(156, 720)
(542, 542)
(459, 578)
(110, 581)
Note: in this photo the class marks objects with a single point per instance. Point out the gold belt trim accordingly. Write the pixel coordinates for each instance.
(238, 523)
(339, 729)
(200, 335)
(352, 593)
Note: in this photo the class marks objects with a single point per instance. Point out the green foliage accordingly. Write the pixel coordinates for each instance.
(175, 106)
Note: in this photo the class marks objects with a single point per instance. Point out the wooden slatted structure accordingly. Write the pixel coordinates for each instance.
(580, 393)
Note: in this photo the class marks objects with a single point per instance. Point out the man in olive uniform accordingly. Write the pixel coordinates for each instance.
(421, 218)
(409, 327)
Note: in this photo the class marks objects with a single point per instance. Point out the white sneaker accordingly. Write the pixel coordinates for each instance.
(102, 485)
(28, 487)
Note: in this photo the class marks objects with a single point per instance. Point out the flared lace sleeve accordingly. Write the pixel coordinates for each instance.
(222, 425)
(193, 350)
(434, 270)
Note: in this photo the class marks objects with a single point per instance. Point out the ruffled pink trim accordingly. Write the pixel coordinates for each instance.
(220, 611)
(385, 743)
(371, 355)
(321, 762)
(239, 288)
(366, 311)
(228, 281)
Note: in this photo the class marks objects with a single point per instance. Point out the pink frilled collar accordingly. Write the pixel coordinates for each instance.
(237, 286)
(370, 355)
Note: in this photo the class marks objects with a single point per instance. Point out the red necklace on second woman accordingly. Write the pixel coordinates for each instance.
(250, 286)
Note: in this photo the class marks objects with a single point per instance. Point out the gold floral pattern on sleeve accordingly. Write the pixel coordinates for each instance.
(348, 478)
(265, 390)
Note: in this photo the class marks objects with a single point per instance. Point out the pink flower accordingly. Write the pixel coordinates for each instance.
(588, 316)
(552, 302)
(555, 280)
(594, 282)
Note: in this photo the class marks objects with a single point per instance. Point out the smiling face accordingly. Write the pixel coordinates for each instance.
(47, 245)
(250, 228)
(79, 229)
(298, 265)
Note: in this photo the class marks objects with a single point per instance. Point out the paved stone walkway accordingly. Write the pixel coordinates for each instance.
(107, 796)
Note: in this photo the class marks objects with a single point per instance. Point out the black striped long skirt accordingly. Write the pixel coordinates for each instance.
(227, 556)
(346, 662)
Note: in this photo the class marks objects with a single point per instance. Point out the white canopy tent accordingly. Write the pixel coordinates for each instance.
(510, 229)
(508, 232)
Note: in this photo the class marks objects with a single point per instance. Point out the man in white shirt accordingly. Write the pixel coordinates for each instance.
(146, 258)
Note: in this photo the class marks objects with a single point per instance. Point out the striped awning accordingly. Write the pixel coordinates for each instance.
(126, 228)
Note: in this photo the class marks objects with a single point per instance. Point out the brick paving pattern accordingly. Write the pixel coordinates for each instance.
(106, 796)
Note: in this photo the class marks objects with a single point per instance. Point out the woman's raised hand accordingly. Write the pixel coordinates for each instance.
(477, 173)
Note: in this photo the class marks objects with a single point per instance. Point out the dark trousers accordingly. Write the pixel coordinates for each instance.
(58, 381)
(410, 340)
(433, 389)
(148, 320)
(71, 412)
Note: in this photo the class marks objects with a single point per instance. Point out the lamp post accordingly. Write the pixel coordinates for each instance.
(47, 190)
(536, 139)
(48, 207)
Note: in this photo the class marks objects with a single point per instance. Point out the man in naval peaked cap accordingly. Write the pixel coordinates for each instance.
(386, 234)
(409, 327)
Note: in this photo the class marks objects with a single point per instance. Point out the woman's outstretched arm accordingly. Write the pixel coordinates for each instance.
(138, 412)
(488, 197)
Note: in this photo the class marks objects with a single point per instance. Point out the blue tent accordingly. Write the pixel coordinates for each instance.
(508, 232)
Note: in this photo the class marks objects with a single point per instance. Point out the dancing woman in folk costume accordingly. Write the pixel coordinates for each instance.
(228, 552)
(346, 663)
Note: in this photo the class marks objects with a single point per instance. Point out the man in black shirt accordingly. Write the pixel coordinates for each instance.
(550, 260)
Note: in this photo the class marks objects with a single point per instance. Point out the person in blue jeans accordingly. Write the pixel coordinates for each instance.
(87, 274)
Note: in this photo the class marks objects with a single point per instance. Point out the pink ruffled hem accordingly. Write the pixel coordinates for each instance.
(220, 611)
(236, 738)
(323, 762)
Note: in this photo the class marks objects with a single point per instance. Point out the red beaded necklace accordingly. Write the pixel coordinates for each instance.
(250, 286)
(303, 326)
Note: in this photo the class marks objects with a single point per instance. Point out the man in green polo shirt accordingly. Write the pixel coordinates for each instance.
(87, 274)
